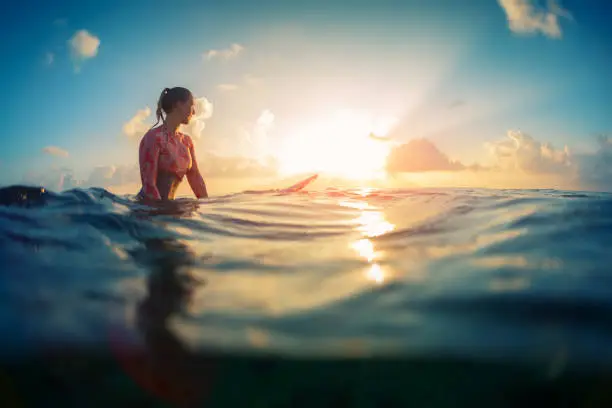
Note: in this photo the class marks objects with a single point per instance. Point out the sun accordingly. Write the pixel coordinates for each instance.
(339, 145)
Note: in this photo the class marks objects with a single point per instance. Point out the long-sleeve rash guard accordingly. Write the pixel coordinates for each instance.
(161, 157)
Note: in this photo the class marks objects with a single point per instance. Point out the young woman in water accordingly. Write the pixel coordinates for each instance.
(167, 155)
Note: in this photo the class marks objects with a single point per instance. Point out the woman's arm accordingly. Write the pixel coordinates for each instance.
(148, 157)
(193, 175)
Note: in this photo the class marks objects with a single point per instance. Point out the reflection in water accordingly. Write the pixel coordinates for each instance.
(365, 248)
(168, 369)
(376, 274)
(372, 224)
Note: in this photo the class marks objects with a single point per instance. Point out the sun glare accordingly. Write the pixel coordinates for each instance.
(340, 146)
(371, 224)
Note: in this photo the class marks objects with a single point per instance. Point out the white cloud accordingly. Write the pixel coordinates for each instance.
(537, 160)
(265, 120)
(227, 87)
(522, 152)
(49, 58)
(203, 112)
(83, 45)
(136, 126)
(525, 17)
(55, 151)
(228, 53)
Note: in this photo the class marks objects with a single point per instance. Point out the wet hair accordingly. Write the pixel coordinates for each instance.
(168, 100)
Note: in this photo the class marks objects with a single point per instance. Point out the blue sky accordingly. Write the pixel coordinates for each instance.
(457, 73)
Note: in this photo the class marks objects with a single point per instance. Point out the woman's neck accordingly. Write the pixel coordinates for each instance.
(172, 124)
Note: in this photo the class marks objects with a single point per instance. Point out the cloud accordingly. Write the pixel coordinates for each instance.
(518, 154)
(49, 58)
(213, 165)
(520, 162)
(111, 175)
(228, 53)
(227, 87)
(522, 152)
(127, 177)
(67, 182)
(83, 46)
(55, 151)
(248, 81)
(210, 164)
(59, 179)
(100, 175)
(419, 155)
(525, 17)
(53, 178)
(257, 134)
(203, 112)
(266, 119)
(136, 126)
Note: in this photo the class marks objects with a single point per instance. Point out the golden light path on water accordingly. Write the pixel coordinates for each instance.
(371, 223)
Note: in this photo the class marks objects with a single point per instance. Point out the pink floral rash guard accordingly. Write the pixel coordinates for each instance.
(160, 153)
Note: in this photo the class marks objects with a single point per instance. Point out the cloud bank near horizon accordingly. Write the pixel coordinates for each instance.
(109, 176)
(518, 155)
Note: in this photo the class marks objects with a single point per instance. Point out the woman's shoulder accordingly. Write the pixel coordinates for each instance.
(152, 135)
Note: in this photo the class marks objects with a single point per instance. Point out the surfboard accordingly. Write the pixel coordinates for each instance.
(300, 185)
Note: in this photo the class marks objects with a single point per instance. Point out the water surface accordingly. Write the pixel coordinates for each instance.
(516, 278)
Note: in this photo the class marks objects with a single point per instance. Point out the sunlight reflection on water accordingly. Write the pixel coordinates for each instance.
(372, 223)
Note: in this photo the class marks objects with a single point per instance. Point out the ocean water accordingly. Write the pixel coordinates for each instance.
(361, 297)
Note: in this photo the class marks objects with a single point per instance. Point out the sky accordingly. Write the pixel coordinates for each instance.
(480, 93)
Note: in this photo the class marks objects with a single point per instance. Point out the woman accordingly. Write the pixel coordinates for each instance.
(167, 155)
